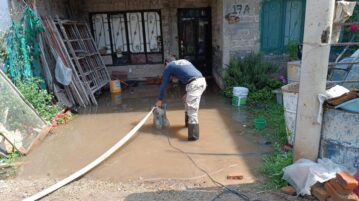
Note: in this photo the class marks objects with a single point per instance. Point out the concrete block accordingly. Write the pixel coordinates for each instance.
(347, 181)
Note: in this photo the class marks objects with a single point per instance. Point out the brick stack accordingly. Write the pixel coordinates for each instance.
(338, 189)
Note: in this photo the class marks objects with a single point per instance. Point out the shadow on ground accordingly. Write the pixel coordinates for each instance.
(240, 192)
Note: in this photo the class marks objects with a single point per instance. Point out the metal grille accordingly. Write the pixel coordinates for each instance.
(135, 31)
(118, 29)
(153, 32)
(135, 37)
(101, 33)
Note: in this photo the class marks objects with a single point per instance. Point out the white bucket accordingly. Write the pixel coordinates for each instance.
(237, 91)
(239, 96)
(290, 102)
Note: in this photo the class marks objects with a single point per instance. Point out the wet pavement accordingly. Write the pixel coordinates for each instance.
(227, 143)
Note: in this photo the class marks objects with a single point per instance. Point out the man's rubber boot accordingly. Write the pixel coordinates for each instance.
(193, 132)
(186, 119)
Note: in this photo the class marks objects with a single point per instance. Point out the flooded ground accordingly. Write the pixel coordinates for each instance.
(223, 147)
(227, 144)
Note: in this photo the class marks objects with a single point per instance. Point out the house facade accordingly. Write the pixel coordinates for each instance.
(136, 36)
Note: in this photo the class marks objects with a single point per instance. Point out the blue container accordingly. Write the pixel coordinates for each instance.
(340, 137)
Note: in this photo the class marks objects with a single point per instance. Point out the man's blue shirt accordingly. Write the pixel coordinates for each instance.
(182, 70)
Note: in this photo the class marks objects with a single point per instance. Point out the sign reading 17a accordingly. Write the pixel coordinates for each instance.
(239, 8)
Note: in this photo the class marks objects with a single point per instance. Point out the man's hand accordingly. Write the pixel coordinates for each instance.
(158, 103)
(184, 97)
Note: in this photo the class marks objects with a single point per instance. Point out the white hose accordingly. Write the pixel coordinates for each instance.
(93, 164)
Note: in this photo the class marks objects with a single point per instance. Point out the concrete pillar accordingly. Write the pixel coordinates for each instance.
(314, 69)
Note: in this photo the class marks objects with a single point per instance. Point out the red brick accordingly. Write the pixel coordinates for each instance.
(337, 197)
(289, 190)
(339, 188)
(234, 176)
(347, 181)
(319, 192)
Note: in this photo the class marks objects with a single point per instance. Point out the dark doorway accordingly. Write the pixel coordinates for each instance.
(194, 31)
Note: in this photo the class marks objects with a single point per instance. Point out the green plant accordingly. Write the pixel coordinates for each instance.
(13, 157)
(276, 132)
(273, 168)
(293, 50)
(261, 95)
(274, 115)
(3, 52)
(251, 72)
(39, 98)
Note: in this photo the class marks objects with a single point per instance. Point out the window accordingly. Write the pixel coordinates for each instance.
(282, 21)
(125, 38)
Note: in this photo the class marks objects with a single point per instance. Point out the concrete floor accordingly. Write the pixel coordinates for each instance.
(226, 143)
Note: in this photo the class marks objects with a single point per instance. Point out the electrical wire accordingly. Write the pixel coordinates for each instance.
(235, 192)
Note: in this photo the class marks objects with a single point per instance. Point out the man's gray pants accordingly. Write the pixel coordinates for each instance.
(194, 91)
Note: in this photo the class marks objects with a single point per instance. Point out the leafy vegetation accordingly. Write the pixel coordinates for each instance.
(293, 50)
(255, 74)
(12, 157)
(19, 50)
(39, 98)
(276, 132)
(273, 168)
(274, 115)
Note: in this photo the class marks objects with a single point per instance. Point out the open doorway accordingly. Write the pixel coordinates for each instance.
(194, 31)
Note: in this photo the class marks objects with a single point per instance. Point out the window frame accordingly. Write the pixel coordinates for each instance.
(143, 29)
(283, 46)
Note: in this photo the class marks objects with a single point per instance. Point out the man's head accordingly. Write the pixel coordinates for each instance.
(170, 59)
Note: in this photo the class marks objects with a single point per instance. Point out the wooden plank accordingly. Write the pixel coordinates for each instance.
(76, 62)
(65, 56)
(54, 44)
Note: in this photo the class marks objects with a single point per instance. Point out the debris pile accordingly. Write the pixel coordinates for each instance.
(324, 180)
(339, 188)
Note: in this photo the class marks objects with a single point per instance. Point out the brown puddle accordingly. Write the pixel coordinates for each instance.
(224, 145)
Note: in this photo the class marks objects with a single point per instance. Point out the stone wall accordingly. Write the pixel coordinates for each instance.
(53, 8)
(217, 41)
(241, 28)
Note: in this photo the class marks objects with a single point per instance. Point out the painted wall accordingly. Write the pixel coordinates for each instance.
(340, 138)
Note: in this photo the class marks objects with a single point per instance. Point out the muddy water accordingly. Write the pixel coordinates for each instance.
(225, 144)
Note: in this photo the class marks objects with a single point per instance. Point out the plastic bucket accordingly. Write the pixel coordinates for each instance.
(115, 86)
(290, 102)
(239, 96)
(240, 91)
(116, 98)
(260, 123)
